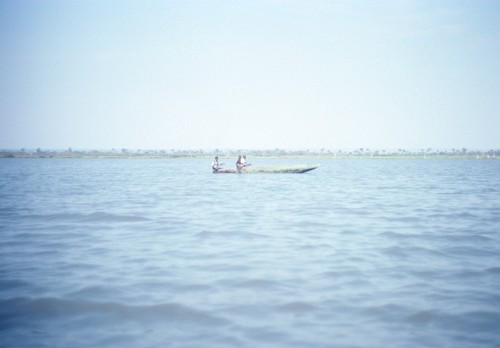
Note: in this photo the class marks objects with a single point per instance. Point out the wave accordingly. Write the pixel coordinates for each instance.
(6, 284)
(494, 270)
(13, 309)
(95, 217)
(247, 235)
(95, 291)
(257, 284)
(297, 307)
(479, 321)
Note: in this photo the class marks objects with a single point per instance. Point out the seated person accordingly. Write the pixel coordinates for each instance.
(215, 164)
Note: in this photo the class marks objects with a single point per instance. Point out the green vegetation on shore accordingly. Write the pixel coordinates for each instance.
(339, 154)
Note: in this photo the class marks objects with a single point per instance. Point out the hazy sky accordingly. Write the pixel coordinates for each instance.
(250, 74)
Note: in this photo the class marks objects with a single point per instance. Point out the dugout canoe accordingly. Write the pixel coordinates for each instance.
(289, 169)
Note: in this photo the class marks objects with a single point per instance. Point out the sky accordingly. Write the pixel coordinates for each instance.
(259, 74)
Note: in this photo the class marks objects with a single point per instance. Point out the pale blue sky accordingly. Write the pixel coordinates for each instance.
(250, 74)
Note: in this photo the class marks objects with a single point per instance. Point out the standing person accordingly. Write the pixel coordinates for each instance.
(239, 165)
(215, 164)
(241, 162)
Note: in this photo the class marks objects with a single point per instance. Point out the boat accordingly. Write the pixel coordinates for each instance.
(294, 169)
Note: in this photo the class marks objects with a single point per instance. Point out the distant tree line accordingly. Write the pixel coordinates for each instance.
(175, 153)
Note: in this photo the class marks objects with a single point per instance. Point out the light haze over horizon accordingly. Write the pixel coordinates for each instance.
(250, 74)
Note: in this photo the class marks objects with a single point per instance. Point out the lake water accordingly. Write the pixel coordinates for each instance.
(163, 253)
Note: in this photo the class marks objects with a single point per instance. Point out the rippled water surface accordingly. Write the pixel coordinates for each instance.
(160, 252)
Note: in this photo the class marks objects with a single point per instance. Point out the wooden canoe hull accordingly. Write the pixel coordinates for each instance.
(277, 169)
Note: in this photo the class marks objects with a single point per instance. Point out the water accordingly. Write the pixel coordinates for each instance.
(160, 252)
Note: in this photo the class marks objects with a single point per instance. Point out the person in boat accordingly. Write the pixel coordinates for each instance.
(215, 164)
(241, 162)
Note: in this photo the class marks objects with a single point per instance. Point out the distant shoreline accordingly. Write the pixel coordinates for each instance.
(354, 154)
